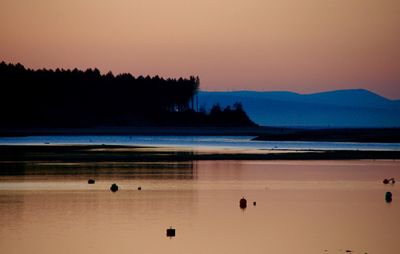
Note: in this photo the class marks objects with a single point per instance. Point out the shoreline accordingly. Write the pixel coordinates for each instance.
(118, 153)
(359, 135)
(260, 133)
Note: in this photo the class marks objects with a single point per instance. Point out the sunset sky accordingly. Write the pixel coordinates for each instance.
(297, 45)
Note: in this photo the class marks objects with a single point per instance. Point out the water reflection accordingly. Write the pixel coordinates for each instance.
(314, 206)
(100, 170)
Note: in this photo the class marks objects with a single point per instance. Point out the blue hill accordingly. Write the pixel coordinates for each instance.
(341, 108)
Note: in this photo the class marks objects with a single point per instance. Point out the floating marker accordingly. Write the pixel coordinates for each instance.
(139, 188)
(387, 181)
(171, 232)
(243, 203)
(114, 187)
(254, 203)
(388, 197)
(91, 181)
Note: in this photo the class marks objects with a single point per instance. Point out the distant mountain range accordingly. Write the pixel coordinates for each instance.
(341, 108)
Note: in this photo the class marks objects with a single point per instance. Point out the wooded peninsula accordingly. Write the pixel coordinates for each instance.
(74, 98)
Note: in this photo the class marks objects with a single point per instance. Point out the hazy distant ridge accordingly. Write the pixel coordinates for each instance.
(341, 108)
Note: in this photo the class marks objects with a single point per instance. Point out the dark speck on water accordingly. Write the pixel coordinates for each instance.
(387, 181)
(114, 187)
(388, 197)
(243, 203)
(170, 232)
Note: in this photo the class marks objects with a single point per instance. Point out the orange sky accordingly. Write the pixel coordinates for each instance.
(297, 45)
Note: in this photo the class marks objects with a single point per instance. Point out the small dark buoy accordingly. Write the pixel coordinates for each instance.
(243, 203)
(171, 232)
(388, 197)
(254, 203)
(385, 181)
(91, 181)
(114, 187)
(139, 188)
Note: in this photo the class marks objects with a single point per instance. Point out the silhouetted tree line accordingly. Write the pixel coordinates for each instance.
(76, 98)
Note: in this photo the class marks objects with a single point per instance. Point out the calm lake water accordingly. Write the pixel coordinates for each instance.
(234, 142)
(302, 207)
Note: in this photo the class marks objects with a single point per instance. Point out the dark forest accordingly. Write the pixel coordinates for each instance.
(76, 98)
